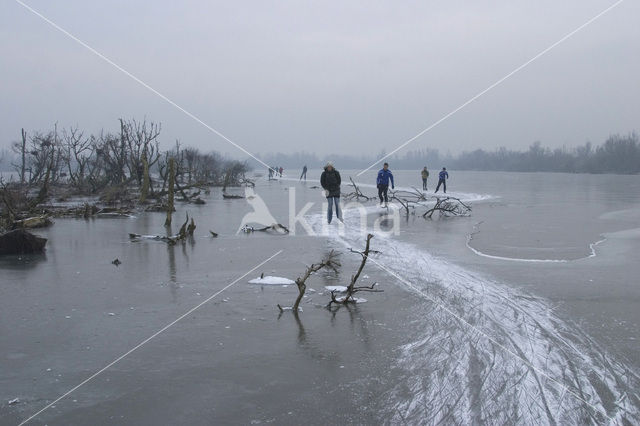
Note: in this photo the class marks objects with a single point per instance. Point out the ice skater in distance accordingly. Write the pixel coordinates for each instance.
(382, 182)
(425, 176)
(442, 179)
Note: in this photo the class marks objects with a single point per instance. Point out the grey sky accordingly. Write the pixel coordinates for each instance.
(351, 77)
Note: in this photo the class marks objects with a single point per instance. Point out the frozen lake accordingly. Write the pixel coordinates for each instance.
(525, 312)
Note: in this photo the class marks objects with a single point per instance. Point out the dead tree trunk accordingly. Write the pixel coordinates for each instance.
(44, 189)
(172, 178)
(144, 191)
(352, 288)
(365, 256)
(329, 262)
(23, 152)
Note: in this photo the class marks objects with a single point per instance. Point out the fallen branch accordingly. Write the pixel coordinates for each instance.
(408, 199)
(276, 227)
(448, 206)
(247, 182)
(356, 193)
(32, 222)
(231, 196)
(186, 229)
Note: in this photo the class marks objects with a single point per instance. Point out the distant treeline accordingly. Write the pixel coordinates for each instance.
(91, 162)
(618, 154)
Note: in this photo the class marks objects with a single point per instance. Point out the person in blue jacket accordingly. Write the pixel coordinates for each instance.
(442, 179)
(384, 176)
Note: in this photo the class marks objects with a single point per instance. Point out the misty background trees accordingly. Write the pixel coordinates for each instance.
(89, 163)
(95, 161)
(618, 154)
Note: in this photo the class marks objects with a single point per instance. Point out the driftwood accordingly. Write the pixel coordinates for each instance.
(170, 240)
(114, 212)
(329, 262)
(352, 288)
(32, 222)
(448, 206)
(158, 207)
(186, 229)
(20, 241)
(276, 227)
(247, 182)
(231, 196)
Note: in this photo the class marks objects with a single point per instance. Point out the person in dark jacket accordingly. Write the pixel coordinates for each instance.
(442, 179)
(425, 176)
(384, 176)
(330, 181)
(304, 173)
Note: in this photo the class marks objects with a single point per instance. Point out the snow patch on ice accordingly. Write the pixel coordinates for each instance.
(271, 280)
(336, 288)
(353, 299)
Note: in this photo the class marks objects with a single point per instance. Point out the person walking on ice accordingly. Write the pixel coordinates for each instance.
(425, 175)
(384, 176)
(330, 181)
(442, 179)
(304, 173)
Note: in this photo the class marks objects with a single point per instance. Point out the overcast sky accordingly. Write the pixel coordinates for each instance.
(351, 77)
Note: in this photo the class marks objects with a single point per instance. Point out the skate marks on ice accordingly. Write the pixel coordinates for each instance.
(518, 362)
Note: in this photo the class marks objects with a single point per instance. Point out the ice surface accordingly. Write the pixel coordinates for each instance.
(489, 352)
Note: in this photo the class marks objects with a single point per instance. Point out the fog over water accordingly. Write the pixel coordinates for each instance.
(353, 79)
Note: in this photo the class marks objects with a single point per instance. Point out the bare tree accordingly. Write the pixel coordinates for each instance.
(20, 148)
(191, 156)
(78, 152)
(141, 141)
(111, 151)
